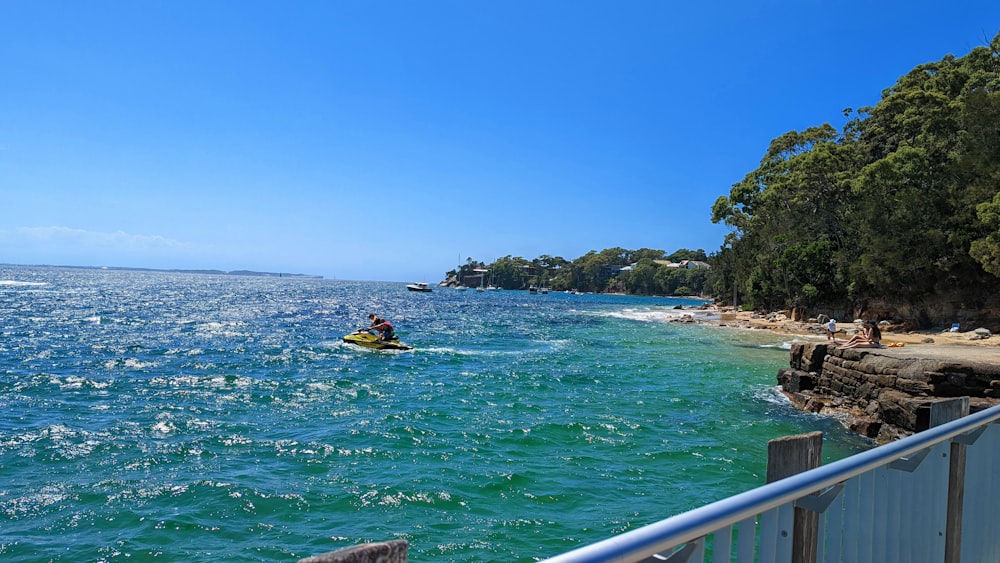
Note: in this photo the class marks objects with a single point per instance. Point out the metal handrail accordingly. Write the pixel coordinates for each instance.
(682, 528)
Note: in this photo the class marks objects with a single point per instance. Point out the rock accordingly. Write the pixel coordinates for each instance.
(884, 394)
(872, 408)
(394, 551)
(866, 428)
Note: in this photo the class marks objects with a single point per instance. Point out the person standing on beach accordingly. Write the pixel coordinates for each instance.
(831, 330)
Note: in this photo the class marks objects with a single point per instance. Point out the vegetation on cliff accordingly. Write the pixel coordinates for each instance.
(896, 214)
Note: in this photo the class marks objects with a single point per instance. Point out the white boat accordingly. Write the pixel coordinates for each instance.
(419, 286)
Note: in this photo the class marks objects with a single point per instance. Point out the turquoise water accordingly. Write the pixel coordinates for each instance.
(183, 417)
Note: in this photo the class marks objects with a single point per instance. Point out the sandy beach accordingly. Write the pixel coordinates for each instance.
(778, 322)
(964, 344)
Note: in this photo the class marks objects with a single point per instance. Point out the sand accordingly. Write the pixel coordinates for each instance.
(964, 345)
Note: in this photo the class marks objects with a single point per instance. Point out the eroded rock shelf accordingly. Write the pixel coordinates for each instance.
(886, 393)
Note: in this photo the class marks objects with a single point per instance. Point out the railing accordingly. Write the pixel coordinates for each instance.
(899, 502)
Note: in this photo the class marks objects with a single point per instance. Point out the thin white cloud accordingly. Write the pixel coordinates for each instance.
(80, 247)
(93, 239)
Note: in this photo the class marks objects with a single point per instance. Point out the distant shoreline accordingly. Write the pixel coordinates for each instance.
(248, 273)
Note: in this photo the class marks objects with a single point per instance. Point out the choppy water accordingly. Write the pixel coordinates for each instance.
(184, 417)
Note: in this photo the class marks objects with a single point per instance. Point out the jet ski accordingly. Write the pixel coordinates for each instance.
(369, 340)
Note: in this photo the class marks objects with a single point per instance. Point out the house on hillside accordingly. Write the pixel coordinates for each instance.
(686, 264)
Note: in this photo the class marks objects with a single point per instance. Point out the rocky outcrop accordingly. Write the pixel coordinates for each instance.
(881, 393)
(395, 551)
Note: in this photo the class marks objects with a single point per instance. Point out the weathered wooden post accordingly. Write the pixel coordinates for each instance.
(383, 552)
(786, 457)
(942, 412)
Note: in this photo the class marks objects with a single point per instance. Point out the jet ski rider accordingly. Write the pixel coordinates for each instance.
(384, 328)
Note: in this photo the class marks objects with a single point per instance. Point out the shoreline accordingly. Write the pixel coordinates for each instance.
(925, 366)
(778, 323)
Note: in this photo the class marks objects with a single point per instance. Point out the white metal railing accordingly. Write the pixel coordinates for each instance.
(886, 504)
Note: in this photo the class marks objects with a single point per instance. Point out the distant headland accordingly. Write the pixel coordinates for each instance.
(249, 273)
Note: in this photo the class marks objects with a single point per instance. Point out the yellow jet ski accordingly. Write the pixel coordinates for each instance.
(369, 340)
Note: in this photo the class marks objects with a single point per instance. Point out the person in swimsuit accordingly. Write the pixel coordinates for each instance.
(869, 337)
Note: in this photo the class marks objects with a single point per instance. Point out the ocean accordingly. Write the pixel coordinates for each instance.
(157, 416)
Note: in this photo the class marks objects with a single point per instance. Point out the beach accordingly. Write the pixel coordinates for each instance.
(938, 344)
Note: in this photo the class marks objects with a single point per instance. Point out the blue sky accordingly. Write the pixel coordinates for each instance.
(385, 140)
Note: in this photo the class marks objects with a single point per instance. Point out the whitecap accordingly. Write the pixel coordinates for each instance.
(786, 345)
(659, 315)
(456, 351)
(132, 363)
(771, 395)
(163, 427)
(17, 283)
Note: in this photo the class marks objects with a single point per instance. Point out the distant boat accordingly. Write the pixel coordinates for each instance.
(482, 279)
(419, 286)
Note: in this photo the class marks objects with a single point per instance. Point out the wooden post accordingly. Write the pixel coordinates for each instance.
(942, 412)
(786, 457)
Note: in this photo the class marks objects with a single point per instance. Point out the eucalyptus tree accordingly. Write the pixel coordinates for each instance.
(786, 220)
(979, 166)
(896, 207)
(929, 175)
(509, 272)
(641, 278)
(685, 254)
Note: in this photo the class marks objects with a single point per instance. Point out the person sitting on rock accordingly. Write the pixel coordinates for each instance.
(869, 337)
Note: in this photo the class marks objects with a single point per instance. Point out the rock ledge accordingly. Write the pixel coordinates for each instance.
(881, 393)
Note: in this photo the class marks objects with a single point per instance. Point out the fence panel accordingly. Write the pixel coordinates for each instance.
(887, 504)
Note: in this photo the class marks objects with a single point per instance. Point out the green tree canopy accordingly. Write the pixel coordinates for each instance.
(898, 207)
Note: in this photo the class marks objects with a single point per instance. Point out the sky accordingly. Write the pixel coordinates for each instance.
(392, 140)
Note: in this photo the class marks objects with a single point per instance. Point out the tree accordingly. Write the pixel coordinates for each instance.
(987, 249)
(641, 279)
(788, 204)
(899, 206)
(685, 254)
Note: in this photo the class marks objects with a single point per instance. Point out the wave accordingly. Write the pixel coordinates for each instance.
(786, 345)
(17, 283)
(34, 502)
(660, 315)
